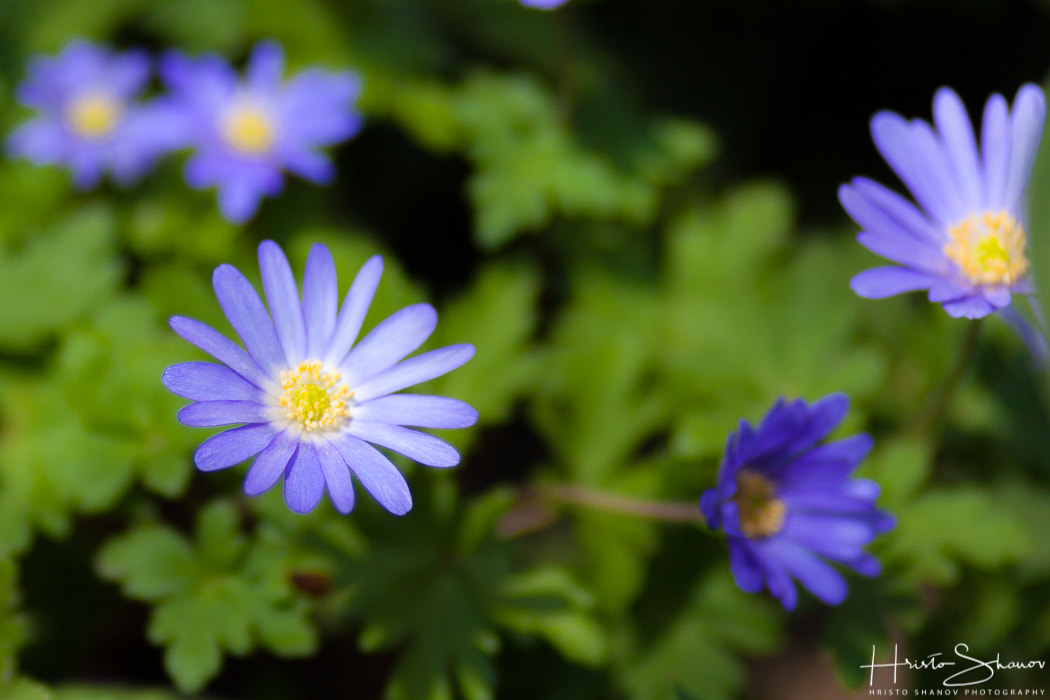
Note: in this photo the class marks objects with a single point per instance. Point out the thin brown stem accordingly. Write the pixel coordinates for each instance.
(601, 500)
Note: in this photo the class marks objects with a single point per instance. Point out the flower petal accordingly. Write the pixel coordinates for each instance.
(969, 307)
(956, 132)
(352, 313)
(816, 575)
(304, 484)
(377, 474)
(207, 381)
(995, 151)
(320, 298)
(881, 282)
(270, 464)
(283, 299)
(414, 371)
(901, 248)
(895, 140)
(248, 317)
(336, 477)
(878, 208)
(423, 448)
(265, 67)
(389, 342)
(417, 410)
(746, 570)
(221, 348)
(1026, 130)
(232, 446)
(209, 414)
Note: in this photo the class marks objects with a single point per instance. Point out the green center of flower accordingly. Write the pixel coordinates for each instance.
(989, 249)
(93, 115)
(314, 398)
(761, 513)
(249, 129)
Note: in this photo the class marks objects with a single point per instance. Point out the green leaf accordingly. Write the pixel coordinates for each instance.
(60, 276)
(595, 401)
(498, 316)
(224, 594)
(945, 528)
(152, 562)
(431, 586)
(699, 652)
(901, 467)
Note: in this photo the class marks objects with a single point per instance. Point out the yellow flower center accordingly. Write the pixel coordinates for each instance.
(93, 115)
(989, 249)
(249, 129)
(761, 514)
(313, 397)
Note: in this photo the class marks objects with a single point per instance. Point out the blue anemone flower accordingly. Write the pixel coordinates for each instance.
(786, 505)
(88, 118)
(245, 133)
(543, 4)
(966, 241)
(309, 399)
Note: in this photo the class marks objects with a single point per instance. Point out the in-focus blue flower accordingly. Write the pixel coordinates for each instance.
(311, 400)
(543, 4)
(787, 505)
(88, 119)
(245, 133)
(966, 244)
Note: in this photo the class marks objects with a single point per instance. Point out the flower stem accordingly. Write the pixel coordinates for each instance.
(533, 512)
(939, 405)
(602, 500)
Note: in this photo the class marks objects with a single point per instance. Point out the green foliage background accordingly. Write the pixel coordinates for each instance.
(635, 281)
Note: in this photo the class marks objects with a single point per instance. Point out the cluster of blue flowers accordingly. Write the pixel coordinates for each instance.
(243, 133)
(782, 501)
(309, 402)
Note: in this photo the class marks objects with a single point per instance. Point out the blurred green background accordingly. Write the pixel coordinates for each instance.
(629, 208)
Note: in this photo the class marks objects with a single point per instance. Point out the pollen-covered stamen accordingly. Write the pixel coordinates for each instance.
(93, 115)
(988, 248)
(761, 513)
(248, 128)
(313, 397)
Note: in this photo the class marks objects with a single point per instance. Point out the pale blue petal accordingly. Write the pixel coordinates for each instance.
(417, 410)
(221, 348)
(320, 298)
(956, 132)
(880, 282)
(995, 151)
(352, 313)
(232, 446)
(423, 448)
(377, 474)
(283, 299)
(209, 414)
(388, 343)
(304, 483)
(206, 381)
(414, 371)
(336, 477)
(248, 317)
(270, 464)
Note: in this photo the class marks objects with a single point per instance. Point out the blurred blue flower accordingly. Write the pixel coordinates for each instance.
(245, 133)
(786, 505)
(543, 4)
(311, 400)
(88, 120)
(967, 243)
